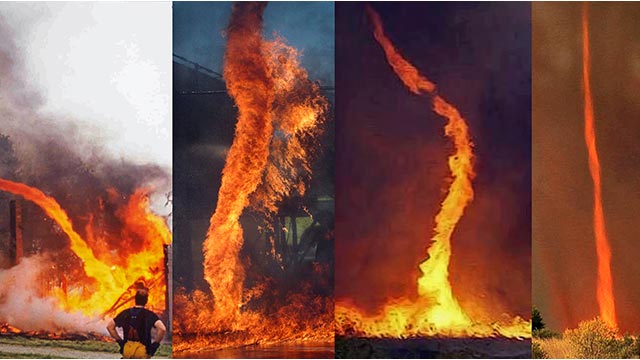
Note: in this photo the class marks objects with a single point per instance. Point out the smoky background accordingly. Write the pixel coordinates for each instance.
(564, 258)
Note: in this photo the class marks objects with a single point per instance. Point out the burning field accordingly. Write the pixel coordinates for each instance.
(80, 227)
(267, 252)
(406, 302)
(584, 170)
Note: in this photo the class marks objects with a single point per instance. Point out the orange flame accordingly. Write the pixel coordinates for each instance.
(248, 82)
(436, 311)
(606, 300)
(280, 113)
(110, 279)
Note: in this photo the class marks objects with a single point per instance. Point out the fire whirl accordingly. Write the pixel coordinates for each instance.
(111, 279)
(437, 311)
(280, 118)
(606, 300)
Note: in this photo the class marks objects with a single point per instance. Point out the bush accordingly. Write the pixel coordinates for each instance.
(595, 339)
(537, 352)
(545, 334)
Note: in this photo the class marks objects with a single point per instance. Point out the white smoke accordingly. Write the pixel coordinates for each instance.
(22, 307)
(104, 66)
(94, 76)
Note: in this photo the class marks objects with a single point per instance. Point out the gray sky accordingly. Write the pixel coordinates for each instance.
(105, 67)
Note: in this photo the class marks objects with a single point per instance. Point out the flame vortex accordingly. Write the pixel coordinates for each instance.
(280, 117)
(436, 311)
(605, 296)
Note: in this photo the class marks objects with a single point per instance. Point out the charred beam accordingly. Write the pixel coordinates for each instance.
(15, 225)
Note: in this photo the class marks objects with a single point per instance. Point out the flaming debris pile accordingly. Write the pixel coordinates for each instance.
(280, 119)
(436, 311)
(110, 275)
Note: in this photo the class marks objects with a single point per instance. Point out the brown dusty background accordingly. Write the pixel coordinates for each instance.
(564, 258)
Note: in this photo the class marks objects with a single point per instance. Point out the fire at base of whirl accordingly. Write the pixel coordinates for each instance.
(436, 312)
(274, 296)
(43, 296)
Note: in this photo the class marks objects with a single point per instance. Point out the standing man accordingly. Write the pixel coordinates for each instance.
(136, 324)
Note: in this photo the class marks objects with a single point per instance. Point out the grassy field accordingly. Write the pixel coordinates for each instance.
(22, 347)
(8, 355)
(557, 348)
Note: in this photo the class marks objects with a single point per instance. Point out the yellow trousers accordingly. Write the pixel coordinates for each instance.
(134, 350)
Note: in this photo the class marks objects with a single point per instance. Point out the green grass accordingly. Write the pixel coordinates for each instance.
(8, 355)
(164, 351)
(82, 345)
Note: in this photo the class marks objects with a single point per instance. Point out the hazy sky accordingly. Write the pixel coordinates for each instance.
(104, 66)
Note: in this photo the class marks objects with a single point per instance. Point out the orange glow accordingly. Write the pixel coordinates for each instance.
(280, 116)
(606, 300)
(110, 282)
(436, 311)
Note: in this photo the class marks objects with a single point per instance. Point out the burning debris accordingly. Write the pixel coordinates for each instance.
(436, 311)
(107, 277)
(265, 297)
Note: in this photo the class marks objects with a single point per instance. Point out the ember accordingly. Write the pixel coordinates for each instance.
(11, 331)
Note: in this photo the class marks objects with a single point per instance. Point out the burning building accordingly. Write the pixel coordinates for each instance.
(253, 187)
(584, 164)
(80, 227)
(413, 260)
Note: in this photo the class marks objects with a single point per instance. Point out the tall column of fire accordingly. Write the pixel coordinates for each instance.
(280, 117)
(434, 282)
(437, 310)
(606, 301)
(246, 75)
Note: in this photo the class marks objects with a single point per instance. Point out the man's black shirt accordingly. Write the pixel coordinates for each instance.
(136, 321)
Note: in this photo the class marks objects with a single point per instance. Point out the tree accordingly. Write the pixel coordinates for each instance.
(536, 320)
